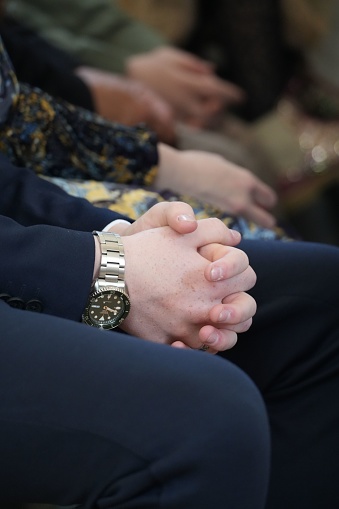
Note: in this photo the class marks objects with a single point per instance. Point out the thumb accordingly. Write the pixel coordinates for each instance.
(178, 215)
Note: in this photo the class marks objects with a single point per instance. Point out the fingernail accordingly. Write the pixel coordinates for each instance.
(186, 217)
(213, 338)
(224, 316)
(217, 273)
(235, 234)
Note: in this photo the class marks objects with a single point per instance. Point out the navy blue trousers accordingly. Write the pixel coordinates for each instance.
(105, 420)
(292, 354)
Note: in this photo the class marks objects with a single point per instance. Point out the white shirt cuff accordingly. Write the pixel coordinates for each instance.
(115, 222)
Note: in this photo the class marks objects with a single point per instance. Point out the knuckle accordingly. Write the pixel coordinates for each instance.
(239, 259)
(253, 276)
(217, 224)
(244, 257)
(239, 207)
(244, 326)
(246, 310)
(229, 340)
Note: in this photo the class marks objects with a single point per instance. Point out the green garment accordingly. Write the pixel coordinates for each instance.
(96, 31)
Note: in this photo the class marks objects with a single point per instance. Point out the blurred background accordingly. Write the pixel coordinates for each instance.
(283, 54)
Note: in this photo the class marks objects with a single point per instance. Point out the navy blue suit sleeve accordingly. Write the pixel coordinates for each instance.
(30, 200)
(51, 264)
(47, 248)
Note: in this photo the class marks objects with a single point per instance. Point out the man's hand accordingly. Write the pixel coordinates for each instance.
(188, 288)
(188, 83)
(129, 102)
(214, 180)
(180, 217)
(176, 214)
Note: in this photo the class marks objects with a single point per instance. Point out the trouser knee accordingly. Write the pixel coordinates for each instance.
(228, 445)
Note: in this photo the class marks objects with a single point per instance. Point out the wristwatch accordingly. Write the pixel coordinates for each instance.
(108, 304)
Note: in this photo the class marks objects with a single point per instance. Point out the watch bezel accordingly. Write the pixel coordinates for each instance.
(113, 324)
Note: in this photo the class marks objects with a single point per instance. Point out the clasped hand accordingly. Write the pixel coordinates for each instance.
(186, 280)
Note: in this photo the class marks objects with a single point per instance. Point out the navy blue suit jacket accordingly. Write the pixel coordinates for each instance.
(47, 249)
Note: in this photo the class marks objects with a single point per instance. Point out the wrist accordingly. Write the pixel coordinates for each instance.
(118, 226)
(168, 176)
(108, 304)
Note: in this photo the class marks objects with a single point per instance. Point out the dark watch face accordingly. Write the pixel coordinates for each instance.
(106, 309)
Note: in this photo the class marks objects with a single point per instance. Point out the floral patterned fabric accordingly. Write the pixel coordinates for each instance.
(55, 138)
